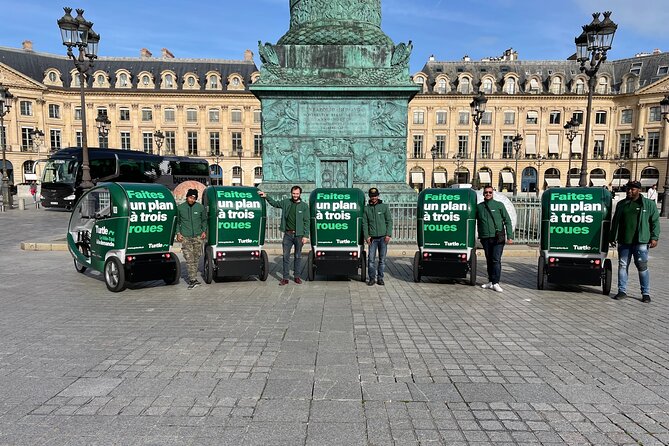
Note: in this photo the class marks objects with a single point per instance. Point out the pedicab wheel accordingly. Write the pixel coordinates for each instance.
(363, 266)
(176, 275)
(311, 268)
(83, 249)
(264, 266)
(114, 275)
(208, 267)
(472, 268)
(541, 272)
(608, 276)
(416, 267)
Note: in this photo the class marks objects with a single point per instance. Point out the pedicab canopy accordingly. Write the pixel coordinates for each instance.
(446, 219)
(236, 216)
(336, 217)
(575, 220)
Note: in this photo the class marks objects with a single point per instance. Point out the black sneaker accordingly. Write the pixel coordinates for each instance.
(370, 282)
(380, 282)
(193, 284)
(645, 298)
(197, 282)
(620, 295)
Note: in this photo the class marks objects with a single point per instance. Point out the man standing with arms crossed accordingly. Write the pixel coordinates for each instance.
(295, 227)
(191, 232)
(635, 228)
(377, 228)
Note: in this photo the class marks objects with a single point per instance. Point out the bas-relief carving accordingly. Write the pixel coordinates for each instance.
(305, 11)
(267, 54)
(275, 75)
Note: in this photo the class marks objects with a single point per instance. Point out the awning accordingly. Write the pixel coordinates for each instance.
(484, 177)
(598, 182)
(257, 181)
(417, 177)
(507, 177)
(236, 180)
(576, 145)
(619, 182)
(553, 144)
(648, 182)
(30, 176)
(531, 144)
(553, 182)
(440, 177)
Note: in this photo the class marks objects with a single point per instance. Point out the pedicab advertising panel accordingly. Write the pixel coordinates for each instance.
(574, 237)
(234, 247)
(446, 228)
(125, 231)
(337, 246)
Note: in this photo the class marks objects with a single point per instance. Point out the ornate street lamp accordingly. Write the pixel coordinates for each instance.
(517, 144)
(78, 32)
(241, 171)
(664, 108)
(6, 99)
(591, 46)
(433, 151)
(541, 160)
(158, 139)
(457, 159)
(571, 129)
(478, 109)
(102, 123)
(37, 137)
(637, 146)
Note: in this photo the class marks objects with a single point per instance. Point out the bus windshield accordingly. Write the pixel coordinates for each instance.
(60, 171)
(190, 168)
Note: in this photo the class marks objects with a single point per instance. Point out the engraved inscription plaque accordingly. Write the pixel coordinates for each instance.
(334, 118)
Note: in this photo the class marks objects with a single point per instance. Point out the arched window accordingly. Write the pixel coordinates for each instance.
(602, 85)
(556, 85)
(169, 81)
(464, 85)
(629, 85)
(123, 80)
(510, 86)
(580, 86)
(534, 86)
(441, 86)
(487, 86)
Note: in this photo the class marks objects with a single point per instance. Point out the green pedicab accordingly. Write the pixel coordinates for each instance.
(337, 245)
(575, 237)
(446, 234)
(124, 231)
(236, 235)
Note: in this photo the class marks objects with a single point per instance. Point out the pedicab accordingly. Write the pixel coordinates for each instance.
(124, 231)
(446, 234)
(236, 235)
(575, 226)
(337, 245)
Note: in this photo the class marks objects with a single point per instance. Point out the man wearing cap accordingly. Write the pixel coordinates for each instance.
(377, 228)
(191, 231)
(635, 227)
(295, 227)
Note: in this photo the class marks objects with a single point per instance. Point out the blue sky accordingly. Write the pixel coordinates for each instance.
(446, 28)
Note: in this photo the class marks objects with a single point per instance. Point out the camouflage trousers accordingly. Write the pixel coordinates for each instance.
(191, 247)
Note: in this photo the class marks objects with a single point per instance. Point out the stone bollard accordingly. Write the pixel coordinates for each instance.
(22, 204)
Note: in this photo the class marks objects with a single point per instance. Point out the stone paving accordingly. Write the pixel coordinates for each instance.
(330, 362)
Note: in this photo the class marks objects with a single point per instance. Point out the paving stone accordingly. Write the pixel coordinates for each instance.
(484, 392)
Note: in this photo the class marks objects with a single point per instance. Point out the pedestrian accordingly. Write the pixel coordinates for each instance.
(652, 193)
(495, 230)
(33, 191)
(295, 228)
(191, 232)
(635, 228)
(377, 228)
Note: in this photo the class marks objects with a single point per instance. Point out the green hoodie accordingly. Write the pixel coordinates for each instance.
(191, 220)
(301, 217)
(648, 226)
(377, 221)
(485, 223)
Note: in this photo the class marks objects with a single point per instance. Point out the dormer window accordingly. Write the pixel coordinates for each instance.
(123, 80)
(52, 76)
(169, 81)
(441, 86)
(100, 79)
(510, 86)
(487, 86)
(145, 79)
(213, 81)
(191, 81)
(235, 81)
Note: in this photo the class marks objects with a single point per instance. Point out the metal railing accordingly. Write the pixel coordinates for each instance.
(528, 221)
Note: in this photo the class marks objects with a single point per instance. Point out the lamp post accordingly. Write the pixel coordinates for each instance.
(541, 160)
(102, 123)
(592, 45)
(637, 144)
(433, 152)
(158, 138)
(517, 144)
(571, 128)
(6, 99)
(218, 156)
(37, 137)
(78, 32)
(241, 171)
(478, 108)
(457, 159)
(664, 108)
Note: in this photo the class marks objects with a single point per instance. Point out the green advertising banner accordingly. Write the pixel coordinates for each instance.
(236, 215)
(447, 218)
(336, 216)
(151, 217)
(573, 220)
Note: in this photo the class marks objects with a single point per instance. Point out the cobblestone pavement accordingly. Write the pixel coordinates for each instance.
(328, 362)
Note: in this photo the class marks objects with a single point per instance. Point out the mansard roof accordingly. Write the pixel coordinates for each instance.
(34, 65)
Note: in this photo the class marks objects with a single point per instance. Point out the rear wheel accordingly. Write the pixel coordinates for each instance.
(472, 268)
(311, 268)
(114, 275)
(85, 251)
(175, 277)
(541, 272)
(264, 266)
(208, 267)
(607, 278)
(416, 267)
(363, 266)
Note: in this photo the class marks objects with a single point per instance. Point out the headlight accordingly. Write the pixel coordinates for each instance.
(70, 197)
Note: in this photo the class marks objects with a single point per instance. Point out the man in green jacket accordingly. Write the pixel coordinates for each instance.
(635, 228)
(191, 232)
(491, 218)
(377, 228)
(295, 227)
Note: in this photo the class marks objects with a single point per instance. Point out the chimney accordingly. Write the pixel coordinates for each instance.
(655, 51)
(167, 54)
(145, 54)
(27, 45)
(466, 58)
(431, 58)
(248, 56)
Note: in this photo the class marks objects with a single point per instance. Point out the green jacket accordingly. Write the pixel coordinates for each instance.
(484, 221)
(377, 221)
(649, 221)
(191, 220)
(301, 219)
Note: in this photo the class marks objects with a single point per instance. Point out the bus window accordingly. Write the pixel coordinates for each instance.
(60, 171)
(189, 168)
(101, 168)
